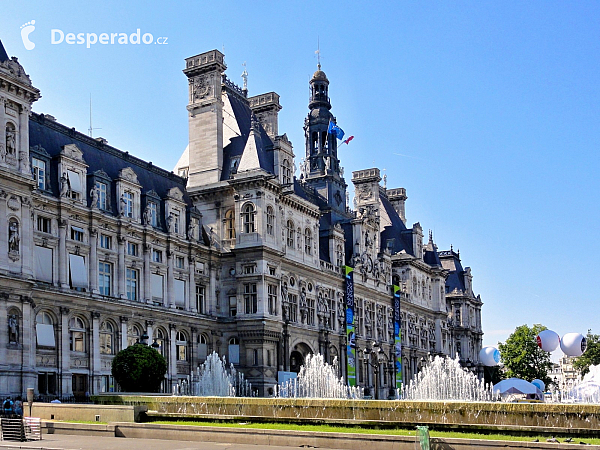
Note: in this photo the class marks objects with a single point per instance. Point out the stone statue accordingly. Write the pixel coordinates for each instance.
(171, 223)
(94, 197)
(11, 147)
(123, 204)
(13, 329)
(147, 215)
(13, 236)
(64, 185)
(191, 231)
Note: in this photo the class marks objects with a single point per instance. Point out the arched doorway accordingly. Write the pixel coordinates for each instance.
(296, 361)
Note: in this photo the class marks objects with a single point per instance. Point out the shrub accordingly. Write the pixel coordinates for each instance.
(139, 368)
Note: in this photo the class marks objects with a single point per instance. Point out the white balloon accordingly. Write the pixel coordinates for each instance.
(539, 384)
(573, 344)
(548, 340)
(489, 356)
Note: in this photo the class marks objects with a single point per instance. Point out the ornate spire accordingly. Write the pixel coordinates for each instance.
(245, 77)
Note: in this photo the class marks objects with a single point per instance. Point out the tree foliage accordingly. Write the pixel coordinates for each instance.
(139, 368)
(523, 358)
(591, 356)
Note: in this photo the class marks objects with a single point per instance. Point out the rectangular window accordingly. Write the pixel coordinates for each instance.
(249, 269)
(104, 277)
(43, 263)
(272, 296)
(44, 224)
(293, 307)
(232, 306)
(272, 271)
(153, 214)
(176, 221)
(128, 203)
(179, 262)
(157, 256)
(74, 183)
(200, 292)
(101, 189)
(132, 284)
(78, 272)
(234, 353)
(39, 173)
(45, 335)
(105, 241)
(310, 318)
(132, 249)
(157, 288)
(179, 288)
(250, 298)
(77, 234)
(181, 353)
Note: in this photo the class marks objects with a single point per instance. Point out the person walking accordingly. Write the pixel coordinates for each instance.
(7, 406)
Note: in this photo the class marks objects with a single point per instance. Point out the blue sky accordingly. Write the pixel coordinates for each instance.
(486, 112)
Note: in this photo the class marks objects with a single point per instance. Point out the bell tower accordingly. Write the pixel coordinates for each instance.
(321, 168)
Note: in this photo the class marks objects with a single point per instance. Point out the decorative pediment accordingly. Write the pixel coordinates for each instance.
(129, 175)
(39, 150)
(175, 193)
(101, 174)
(73, 152)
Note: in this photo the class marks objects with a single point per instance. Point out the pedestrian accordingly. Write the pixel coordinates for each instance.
(18, 406)
(7, 406)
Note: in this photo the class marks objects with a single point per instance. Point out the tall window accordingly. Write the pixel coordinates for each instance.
(107, 338)
(272, 297)
(270, 220)
(230, 224)
(307, 242)
(248, 218)
(310, 318)
(293, 307)
(39, 172)
(102, 192)
(200, 295)
(128, 204)
(133, 334)
(232, 306)
(132, 249)
(44, 224)
(156, 256)
(176, 221)
(104, 277)
(77, 334)
(105, 241)
(286, 175)
(153, 214)
(45, 330)
(339, 256)
(291, 233)
(161, 341)
(77, 234)
(234, 350)
(250, 298)
(181, 339)
(132, 284)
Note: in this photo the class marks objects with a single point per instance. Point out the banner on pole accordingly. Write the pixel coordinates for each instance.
(350, 334)
(397, 337)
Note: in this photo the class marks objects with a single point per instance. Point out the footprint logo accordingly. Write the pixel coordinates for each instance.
(26, 30)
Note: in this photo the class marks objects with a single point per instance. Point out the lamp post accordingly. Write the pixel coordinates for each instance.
(376, 350)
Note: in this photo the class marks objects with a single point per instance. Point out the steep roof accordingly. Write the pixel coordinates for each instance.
(451, 262)
(3, 54)
(394, 234)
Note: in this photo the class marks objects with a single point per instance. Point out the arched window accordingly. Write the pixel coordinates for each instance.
(291, 233)
(230, 224)
(77, 334)
(107, 338)
(286, 175)
(202, 346)
(270, 220)
(307, 241)
(45, 330)
(181, 343)
(133, 334)
(248, 217)
(160, 339)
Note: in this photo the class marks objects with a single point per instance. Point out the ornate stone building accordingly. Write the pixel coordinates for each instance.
(100, 249)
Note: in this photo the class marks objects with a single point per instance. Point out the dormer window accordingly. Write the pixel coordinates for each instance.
(233, 165)
(74, 184)
(248, 218)
(127, 204)
(286, 172)
(101, 190)
(39, 173)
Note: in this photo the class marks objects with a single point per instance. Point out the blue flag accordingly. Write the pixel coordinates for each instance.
(335, 130)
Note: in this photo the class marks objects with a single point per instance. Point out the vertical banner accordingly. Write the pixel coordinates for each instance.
(397, 337)
(351, 343)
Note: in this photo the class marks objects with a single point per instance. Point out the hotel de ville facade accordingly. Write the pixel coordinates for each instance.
(231, 252)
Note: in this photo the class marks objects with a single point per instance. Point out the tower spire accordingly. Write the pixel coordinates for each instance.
(318, 53)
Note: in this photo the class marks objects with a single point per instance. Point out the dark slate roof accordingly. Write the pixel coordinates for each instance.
(397, 232)
(52, 137)
(243, 115)
(431, 257)
(3, 54)
(451, 262)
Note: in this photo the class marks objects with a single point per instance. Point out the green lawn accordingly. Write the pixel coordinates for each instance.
(358, 429)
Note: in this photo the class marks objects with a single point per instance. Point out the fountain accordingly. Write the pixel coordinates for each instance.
(318, 379)
(445, 379)
(587, 390)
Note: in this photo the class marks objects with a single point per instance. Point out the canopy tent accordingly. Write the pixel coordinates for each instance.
(517, 386)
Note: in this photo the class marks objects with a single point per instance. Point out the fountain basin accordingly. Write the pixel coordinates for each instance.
(580, 419)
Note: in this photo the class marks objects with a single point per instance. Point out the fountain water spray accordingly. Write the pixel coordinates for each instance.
(318, 379)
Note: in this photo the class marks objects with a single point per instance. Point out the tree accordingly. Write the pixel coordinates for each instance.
(139, 368)
(591, 356)
(523, 358)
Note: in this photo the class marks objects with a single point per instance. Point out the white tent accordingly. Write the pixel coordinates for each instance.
(517, 386)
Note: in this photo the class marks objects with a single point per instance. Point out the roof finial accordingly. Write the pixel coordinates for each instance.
(430, 236)
(318, 53)
(245, 77)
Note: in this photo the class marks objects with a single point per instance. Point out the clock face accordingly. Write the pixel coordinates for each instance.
(232, 271)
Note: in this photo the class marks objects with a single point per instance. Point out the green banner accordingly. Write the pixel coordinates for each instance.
(351, 336)
(397, 337)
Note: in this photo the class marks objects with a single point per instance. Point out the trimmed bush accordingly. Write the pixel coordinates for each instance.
(139, 368)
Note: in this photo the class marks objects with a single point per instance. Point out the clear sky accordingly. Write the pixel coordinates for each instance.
(486, 112)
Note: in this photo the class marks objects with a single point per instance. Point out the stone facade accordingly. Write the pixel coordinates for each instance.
(100, 250)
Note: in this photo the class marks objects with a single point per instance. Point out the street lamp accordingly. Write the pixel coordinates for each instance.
(376, 350)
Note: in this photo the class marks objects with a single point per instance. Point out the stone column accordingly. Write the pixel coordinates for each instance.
(212, 299)
(123, 332)
(3, 223)
(29, 344)
(65, 352)
(193, 347)
(121, 293)
(172, 354)
(96, 367)
(170, 301)
(3, 101)
(150, 331)
(23, 144)
(63, 276)
(190, 299)
(93, 263)
(146, 293)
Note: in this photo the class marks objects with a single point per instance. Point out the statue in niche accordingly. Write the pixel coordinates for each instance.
(94, 197)
(147, 215)
(11, 146)
(13, 329)
(13, 236)
(123, 204)
(191, 231)
(171, 223)
(64, 185)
